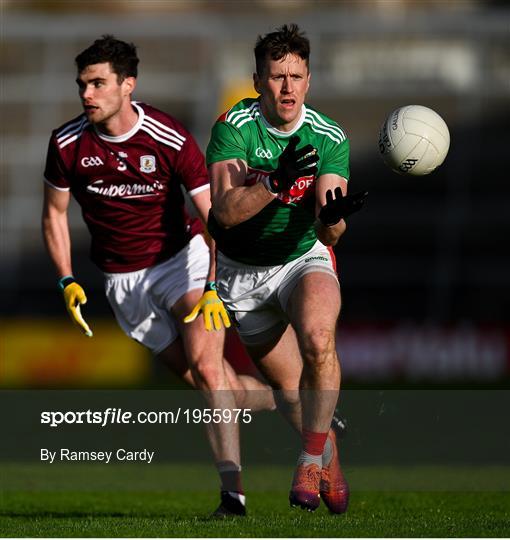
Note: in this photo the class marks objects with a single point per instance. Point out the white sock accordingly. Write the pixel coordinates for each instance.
(306, 459)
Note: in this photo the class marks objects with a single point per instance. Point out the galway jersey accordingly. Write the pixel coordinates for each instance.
(284, 229)
(129, 187)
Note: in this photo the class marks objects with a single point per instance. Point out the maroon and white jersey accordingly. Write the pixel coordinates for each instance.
(129, 187)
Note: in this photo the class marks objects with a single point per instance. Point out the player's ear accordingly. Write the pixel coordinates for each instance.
(256, 83)
(129, 85)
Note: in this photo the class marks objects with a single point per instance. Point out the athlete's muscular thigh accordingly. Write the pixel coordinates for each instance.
(279, 361)
(314, 306)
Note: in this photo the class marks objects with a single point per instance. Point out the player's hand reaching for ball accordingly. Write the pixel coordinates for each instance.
(338, 207)
(212, 308)
(292, 164)
(74, 297)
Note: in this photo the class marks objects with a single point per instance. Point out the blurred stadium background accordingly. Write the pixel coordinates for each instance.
(425, 268)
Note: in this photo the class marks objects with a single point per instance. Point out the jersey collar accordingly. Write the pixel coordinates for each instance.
(130, 133)
(279, 133)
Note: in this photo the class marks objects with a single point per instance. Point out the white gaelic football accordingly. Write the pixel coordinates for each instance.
(414, 140)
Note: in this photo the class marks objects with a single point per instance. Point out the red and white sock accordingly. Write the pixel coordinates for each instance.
(313, 447)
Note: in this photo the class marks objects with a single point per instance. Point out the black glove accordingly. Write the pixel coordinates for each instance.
(340, 207)
(292, 164)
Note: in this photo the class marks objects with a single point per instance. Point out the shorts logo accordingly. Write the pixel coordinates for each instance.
(260, 152)
(92, 161)
(316, 258)
(148, 164)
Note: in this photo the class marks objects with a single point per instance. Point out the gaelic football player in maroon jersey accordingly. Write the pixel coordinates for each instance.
(126, 164)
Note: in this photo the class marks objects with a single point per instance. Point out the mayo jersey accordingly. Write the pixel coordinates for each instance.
(284, 229)
(129, 187)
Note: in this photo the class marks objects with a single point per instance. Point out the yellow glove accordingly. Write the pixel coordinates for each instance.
(74, 296)
(212, 308)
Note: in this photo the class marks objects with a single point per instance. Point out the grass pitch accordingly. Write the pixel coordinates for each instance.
(176, 500)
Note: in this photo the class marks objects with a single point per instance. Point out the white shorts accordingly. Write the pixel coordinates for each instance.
(256, 296)
(142, 300)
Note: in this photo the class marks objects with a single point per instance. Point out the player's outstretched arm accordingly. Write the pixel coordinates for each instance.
(328, 234)
(58, 244)
(334, 206)
(232, 201)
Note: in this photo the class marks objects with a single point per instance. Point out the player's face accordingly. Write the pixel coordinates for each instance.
(103, 98)
(283, 87)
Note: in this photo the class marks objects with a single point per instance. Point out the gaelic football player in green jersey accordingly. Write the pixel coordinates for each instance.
(279, 171)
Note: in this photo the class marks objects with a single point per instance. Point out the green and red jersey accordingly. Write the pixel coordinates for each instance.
(284, 229)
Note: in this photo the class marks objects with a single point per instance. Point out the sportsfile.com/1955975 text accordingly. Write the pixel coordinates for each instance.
(112, 415)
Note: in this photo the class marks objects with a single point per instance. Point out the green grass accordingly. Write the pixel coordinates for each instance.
(175, 501)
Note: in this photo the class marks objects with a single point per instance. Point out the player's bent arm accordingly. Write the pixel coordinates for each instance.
(329, 236)
(232, 201)
(56, 229)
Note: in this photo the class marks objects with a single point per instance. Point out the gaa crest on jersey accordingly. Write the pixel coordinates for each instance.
(148, 164)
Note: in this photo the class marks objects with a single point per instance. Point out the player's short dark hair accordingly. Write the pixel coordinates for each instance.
(287, 39)
(121, 56)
